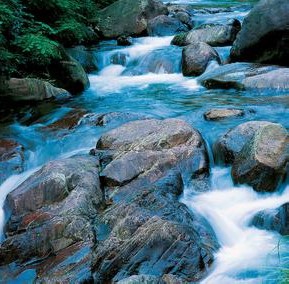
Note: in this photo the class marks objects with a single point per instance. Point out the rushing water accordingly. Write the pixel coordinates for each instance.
(146, 79)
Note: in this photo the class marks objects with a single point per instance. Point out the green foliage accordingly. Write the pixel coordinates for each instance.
(38, 49)
(32, 31)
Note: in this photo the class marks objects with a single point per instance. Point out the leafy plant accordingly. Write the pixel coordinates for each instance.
(38, 48)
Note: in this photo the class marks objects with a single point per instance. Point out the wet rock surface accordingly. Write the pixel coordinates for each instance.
(274, 219)
(262, 162)
(244, 76)
(214, 35)
(264, 34)
(165, 26)
(85, 56)
(220, 114)
(140, 162)
(11, 158)
(129, 17)
(52, 210)
(229, 145)
(26, 90)
(196, 57)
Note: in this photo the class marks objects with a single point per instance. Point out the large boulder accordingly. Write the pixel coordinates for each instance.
(28, 89)
(69, 74)
(262, 162)
(214, 35)
(229, 145)
(196, 57)
(273, 219)
(245, 76)
(129, 17)
(52, 210)
(11, 158)
(165, 26)
(264, 34)
(151, 232)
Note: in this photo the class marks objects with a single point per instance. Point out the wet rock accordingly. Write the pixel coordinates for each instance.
(28, 89)
(165, 26)
(124, 41)
(69, 74)
(11, 158)
(85, 56)
(273, 219)
(158, 61)
(152, 233)
(185, 18)
(142, 279)
(223, 113)
(262, 162)
(118, 58)
(69, 121)
(196, 57)
(264, 34)
(242, 76)
(113, 118)
(129, 17)
(214, 35)
(52, 210)
(276, 80)
(70, 265)
(228, 146)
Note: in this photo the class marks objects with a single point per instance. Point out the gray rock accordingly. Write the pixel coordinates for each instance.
(275, 219)
(223, 113)
(142, 279)
(52, 209)
(28, 89)
(69, 74)
(242, 76)
(85, 56)
(151, 231)
(228, 146)
(262, 162)
(264, 34)
(165, 26)
(196, 57)
(129, 17)
(11, 158)
(214, 35)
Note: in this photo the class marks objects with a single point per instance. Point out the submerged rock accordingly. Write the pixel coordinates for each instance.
(129, 17)
(223, 113)
(28, 89)
(11, 158)
(196, 57)
(273, 219)
(214, 35)
(165, 26)
(262, 162)
(264, 34)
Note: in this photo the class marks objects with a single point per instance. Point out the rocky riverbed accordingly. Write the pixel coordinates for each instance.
(167, 164)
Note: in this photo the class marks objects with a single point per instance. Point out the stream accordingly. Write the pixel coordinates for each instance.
(138, 82)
